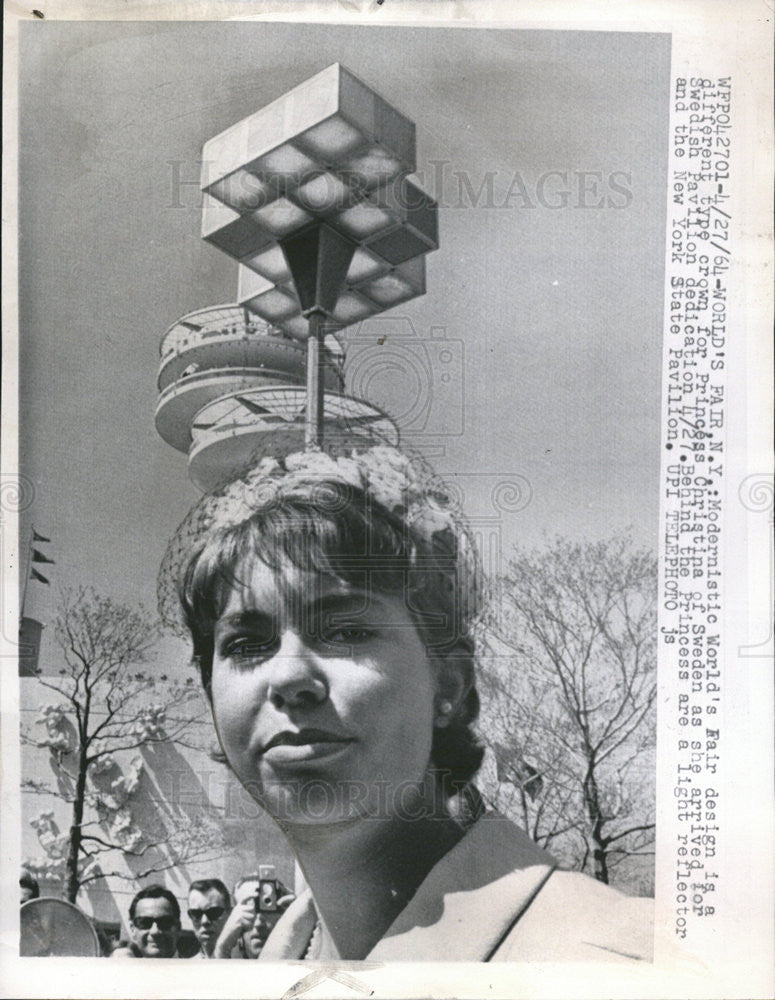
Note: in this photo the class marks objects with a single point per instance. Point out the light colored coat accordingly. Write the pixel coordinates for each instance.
(496, 896)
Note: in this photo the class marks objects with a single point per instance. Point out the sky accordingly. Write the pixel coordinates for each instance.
(547, 154)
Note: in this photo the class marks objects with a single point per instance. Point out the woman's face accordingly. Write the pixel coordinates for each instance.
(323, 699)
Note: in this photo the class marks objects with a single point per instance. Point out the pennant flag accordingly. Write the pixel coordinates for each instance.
(35, 575)
(38, 538)
(39, 557)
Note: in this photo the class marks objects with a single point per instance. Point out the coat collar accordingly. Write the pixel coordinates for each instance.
(463, 909)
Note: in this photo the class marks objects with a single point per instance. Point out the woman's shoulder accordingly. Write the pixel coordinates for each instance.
(577, 918)
(516, 905)
(496, 895)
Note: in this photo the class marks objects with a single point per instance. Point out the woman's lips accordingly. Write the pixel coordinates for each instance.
(306, 744)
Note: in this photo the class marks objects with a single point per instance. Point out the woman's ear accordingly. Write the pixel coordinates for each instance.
(451, 688)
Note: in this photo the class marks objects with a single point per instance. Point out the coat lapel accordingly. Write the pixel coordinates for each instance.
(471, 898)
(464, 908)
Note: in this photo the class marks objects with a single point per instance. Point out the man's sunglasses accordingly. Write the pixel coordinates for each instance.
(146, 923)
(212, 912)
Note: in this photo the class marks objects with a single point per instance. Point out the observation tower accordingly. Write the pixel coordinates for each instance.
(311, 197)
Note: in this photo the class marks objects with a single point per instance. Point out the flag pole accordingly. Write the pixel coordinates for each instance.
(27, 573)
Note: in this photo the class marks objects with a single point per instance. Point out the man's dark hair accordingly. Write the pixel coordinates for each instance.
(26, 881)
(206, 884)
(155, 892)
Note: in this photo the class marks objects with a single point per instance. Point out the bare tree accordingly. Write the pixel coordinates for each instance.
(107, 708)
(570, 699)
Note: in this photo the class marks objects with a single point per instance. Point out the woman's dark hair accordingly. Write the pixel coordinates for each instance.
(340, 531)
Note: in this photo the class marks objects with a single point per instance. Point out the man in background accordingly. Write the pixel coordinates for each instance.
(209, 906)
(248, 926)
(154, 925)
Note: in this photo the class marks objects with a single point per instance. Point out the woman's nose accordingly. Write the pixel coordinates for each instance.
(294, 676)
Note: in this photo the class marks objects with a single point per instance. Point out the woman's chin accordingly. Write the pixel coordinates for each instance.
(302, 796)
(313, 802)
(309, 805)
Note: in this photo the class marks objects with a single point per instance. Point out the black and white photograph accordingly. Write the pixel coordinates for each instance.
(367, 531)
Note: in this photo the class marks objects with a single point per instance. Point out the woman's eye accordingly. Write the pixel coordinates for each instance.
(247, 648)
(347, 634)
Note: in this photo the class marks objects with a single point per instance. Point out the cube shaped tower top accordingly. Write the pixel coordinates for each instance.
(330, 122)
(332, 154)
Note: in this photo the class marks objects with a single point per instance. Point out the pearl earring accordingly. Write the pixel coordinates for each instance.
(445, 707)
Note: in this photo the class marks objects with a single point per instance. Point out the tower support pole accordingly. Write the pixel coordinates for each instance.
(313, 430)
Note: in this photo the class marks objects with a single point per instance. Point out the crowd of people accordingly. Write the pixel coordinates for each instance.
(224, 925)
